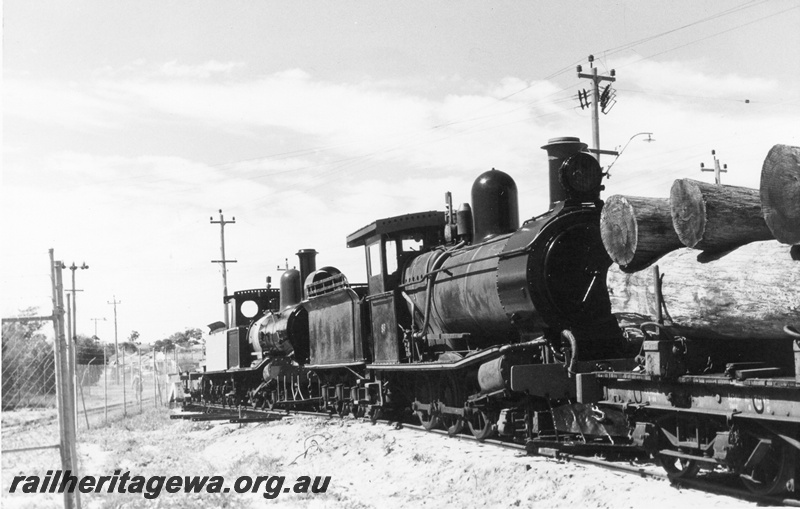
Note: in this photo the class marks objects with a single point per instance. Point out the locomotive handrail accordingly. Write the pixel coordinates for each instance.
(507, 254)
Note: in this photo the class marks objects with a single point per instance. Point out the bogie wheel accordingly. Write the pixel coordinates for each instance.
(428, 419)
(451, 397)
(481, 425)
(454, 424)
(772, 474)
(679, 468)
(375, 413)
(358, 410)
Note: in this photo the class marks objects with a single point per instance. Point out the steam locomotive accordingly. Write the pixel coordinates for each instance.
(471, 320)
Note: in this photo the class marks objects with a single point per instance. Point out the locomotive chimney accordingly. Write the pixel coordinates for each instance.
(308, 264)
(558, 150)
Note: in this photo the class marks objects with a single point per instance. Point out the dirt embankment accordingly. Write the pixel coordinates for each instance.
(369, 466)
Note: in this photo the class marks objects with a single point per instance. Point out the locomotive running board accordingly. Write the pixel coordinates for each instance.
(478, 358)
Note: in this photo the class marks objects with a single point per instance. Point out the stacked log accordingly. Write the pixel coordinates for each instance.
(637, 231)
(713, 217)
(752, 292)
(780, 193)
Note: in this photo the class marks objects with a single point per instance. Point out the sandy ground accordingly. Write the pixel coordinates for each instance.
(369, 466)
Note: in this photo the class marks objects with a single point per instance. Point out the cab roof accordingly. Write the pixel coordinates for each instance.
(432, 219)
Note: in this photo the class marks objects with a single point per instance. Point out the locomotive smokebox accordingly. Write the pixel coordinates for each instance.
(495, 208)
(308, 264)
(291, 289)
(558, 150)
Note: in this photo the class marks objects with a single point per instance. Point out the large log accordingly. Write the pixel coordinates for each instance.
(714, 217)
(780, 193)
(637, 231)
(753, 292)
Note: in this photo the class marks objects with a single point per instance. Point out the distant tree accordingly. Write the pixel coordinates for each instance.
(128, 347)
(28, 362)
(164, 344)
(88, 350)
(185, 338)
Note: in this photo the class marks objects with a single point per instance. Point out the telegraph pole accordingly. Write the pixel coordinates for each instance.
(95, 320)
(604, 101)
(717, 170)
(73, 268)
(223, 261)
(116, 343)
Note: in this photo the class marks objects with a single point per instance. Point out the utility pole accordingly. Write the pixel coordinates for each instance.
(65, 389)
(95, 320)
(223, 261)
(717, 170)
(604, 101)
(116, 342)
(73, 268)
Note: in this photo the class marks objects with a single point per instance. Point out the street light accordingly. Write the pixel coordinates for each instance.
(649, 139)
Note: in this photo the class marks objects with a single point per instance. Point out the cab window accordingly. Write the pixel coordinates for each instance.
(374, 255)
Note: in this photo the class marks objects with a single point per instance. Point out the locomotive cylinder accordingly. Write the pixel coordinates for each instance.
(492, 375)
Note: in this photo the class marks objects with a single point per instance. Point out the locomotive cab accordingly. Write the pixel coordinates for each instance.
(390, 244)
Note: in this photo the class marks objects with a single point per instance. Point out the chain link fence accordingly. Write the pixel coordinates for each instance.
(117, 386)
(29, 419)
(54, 393)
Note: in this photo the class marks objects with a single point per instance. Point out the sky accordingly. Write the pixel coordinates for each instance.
(128, 125)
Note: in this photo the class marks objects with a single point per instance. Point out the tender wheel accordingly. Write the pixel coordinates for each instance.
(481, 425)
(678, 468)
(771, 475)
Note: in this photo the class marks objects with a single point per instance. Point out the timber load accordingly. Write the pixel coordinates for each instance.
(752, 292)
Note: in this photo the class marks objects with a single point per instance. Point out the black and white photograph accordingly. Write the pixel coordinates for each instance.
(398, 254)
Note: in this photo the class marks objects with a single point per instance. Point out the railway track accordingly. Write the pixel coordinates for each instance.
(711, 483)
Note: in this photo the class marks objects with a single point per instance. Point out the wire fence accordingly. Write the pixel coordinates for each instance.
(124, 385)
(55, 392)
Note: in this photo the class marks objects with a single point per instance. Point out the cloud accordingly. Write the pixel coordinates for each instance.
(682, 80)
(204, 70)
(65, 105)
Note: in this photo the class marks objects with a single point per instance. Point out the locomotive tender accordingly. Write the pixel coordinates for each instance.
(469, 319)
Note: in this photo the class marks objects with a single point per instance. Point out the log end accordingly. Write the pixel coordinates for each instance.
(618, 229)
(688, 210)
(780, 193)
